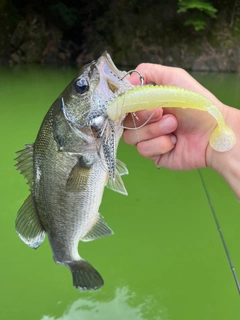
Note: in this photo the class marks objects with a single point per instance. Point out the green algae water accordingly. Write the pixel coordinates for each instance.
(165, 260)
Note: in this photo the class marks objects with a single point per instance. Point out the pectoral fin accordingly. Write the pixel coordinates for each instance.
(99, 230)
(78, 177)
(28, 226)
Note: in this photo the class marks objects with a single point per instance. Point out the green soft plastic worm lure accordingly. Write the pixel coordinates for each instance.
(149, 97)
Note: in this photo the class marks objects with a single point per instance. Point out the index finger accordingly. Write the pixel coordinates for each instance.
(170, 76)
(163, 75)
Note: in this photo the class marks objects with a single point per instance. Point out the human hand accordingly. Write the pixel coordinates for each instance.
(173, 138)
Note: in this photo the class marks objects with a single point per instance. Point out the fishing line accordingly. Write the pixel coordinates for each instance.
(220, 233)
(133, 115)
(135, 127)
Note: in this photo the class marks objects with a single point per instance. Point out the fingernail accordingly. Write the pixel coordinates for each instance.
(174, 139)
(168, 124)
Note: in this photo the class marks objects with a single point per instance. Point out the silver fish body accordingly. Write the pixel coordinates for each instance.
(68, 166)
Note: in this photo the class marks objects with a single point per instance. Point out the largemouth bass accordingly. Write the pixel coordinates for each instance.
(68, 166)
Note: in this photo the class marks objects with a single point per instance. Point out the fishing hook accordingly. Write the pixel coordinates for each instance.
(141, 77)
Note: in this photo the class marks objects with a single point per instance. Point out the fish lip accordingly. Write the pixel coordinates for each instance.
(106, 61)
(112, 75)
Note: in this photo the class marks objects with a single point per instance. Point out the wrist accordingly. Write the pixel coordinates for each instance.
(227, 164)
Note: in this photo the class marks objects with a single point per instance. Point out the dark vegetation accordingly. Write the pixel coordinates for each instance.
(194, 34)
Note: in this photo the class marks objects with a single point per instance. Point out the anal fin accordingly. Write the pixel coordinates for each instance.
(28, 226)
(99, 230)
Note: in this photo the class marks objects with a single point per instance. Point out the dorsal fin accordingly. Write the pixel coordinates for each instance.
(25, 162)
(28, 226)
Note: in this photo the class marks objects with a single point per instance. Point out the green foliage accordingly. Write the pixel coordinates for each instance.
(198, 11)
(185, 5)
(132, 31)
(198, 24)
(235, 18)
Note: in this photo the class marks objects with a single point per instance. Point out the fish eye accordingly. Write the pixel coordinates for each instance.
(81, 86)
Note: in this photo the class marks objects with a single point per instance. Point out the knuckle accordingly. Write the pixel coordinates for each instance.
(142, 66)
(143, 149)
(127, 137)
(181, 72)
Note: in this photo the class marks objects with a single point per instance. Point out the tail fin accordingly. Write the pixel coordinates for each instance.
(85, 277)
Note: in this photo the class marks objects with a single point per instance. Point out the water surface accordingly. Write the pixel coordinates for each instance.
(165, 260)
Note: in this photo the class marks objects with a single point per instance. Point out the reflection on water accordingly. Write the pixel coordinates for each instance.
(122, 306)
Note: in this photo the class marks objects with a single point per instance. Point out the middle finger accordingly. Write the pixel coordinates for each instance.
(166, 125)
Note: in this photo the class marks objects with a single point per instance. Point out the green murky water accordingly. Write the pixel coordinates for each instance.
(165, 261)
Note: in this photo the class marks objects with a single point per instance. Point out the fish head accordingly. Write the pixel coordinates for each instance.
(85, 100)
(84, 104)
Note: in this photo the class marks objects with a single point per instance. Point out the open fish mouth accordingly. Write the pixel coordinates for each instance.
(109, 71)
(111, 78)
